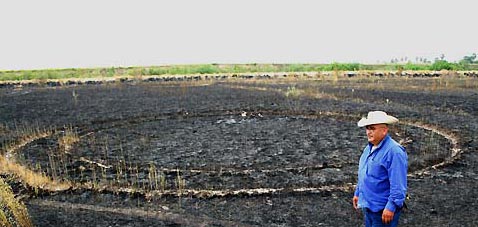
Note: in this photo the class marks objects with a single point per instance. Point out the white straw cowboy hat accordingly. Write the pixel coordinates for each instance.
(377, 117)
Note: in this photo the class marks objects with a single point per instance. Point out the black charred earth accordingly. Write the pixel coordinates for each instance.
(268, 151)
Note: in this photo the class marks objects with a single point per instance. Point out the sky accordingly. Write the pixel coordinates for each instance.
(118, 33)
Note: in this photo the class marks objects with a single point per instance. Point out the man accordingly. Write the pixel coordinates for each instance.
(382, 173)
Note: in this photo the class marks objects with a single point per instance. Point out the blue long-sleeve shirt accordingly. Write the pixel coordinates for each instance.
(382, 176)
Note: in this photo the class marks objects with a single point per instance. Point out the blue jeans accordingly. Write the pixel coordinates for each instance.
(374, 219)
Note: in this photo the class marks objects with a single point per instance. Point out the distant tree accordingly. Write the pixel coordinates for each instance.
(469, 59)
(445, 65)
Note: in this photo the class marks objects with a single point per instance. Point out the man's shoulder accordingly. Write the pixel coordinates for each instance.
(395, 147)
(395, 151)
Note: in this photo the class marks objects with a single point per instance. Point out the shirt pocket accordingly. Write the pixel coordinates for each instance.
(376, 170)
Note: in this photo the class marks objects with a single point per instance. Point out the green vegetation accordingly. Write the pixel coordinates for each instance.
(468, 63)
(444, 65)
(343, 67)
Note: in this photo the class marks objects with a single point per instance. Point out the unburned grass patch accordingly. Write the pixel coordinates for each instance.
(12, 211)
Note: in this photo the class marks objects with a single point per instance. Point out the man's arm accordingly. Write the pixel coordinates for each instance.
(357, 188)
(397, 173)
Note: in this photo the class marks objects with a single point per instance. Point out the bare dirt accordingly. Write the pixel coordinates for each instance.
(241, 152)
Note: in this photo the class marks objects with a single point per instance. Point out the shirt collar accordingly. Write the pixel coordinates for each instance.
(380, 144)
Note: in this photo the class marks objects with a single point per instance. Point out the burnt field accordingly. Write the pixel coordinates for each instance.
(235, 152)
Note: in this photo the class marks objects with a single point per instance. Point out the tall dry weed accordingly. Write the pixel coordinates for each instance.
(66, 141)
(12, 211)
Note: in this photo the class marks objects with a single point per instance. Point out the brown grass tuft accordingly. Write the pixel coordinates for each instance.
(66, 141)
(12, 211)
(36, 180)
(33, 179)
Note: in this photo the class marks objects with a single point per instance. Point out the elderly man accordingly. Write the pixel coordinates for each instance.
(382, 173)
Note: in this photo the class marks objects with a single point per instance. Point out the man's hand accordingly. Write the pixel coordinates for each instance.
(387, 216)
(355, 202)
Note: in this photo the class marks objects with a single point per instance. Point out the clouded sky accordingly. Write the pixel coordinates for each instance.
(95, 33)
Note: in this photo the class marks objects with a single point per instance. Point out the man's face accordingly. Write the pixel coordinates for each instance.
(375, 133)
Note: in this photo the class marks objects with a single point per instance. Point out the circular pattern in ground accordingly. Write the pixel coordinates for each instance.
(224, 152)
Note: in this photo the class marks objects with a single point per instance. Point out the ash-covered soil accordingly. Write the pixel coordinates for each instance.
(296, 139)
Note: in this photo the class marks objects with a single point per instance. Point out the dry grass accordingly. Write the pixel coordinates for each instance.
(33, 179)
(26, 135)
(9, 165)
(12, 211)
(3, 128)
(66, 141)
(442, 83)
(291, 91)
